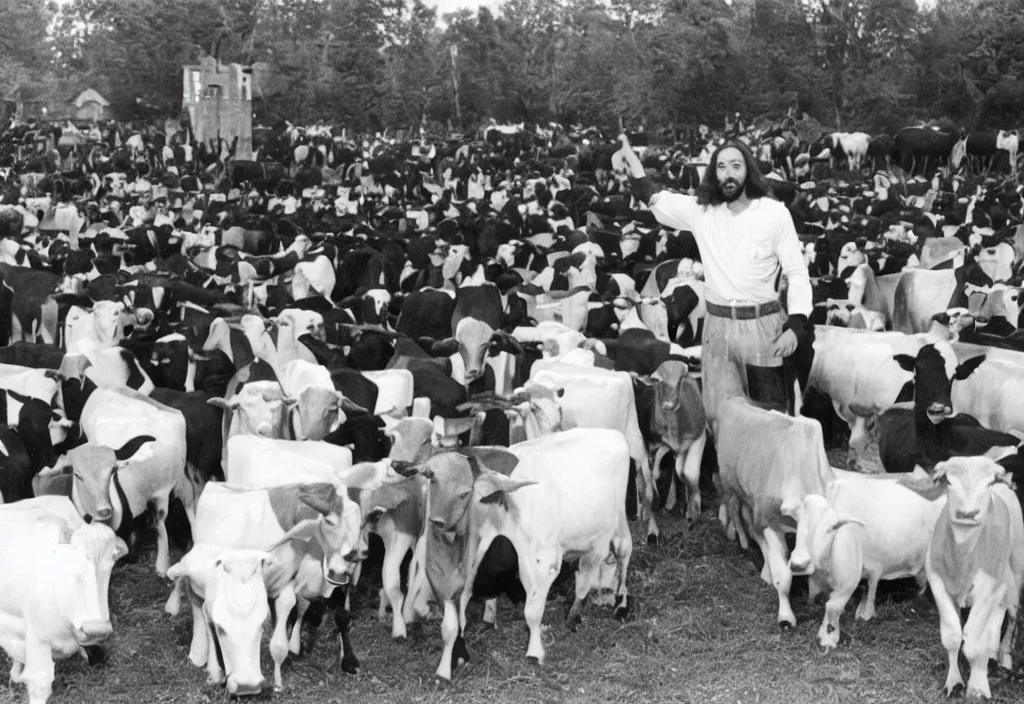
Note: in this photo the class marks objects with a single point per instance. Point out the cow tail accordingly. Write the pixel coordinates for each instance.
(188, 488)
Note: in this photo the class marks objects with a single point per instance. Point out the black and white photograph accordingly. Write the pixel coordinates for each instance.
(511, 351)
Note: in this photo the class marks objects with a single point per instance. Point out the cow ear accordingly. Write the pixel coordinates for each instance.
(53, 374)
(642, 378)
(445, 348)
(967, 367)
(319, 497)
(844, 520)
(221, 403)
(905, 361)
(491, 487)
(304, 531)
(790, 508)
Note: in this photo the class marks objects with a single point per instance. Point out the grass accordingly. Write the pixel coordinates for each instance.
(702, 630)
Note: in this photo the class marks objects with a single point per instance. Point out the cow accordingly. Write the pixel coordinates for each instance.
(460, 528)
(561, 396)
(125, 419)
(857, 371)
(54, 595)
(228, 595)
(298, 524)
(929, 432)
(976, 559)
(679, 426)
(102, 326)
(864, 527)
(768, 459)
(319, 409)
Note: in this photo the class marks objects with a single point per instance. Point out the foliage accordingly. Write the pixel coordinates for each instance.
(371, 64)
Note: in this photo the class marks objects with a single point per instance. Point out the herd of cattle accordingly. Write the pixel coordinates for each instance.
(484, 362)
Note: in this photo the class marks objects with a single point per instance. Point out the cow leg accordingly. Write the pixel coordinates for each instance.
(645, 497)
(866, 608)
(295, 639)
(659, 454)
(586, 578)
(417, 596)
(450, 632)
(48, 316)
(38, 672)
(163, 557)
(199, 650)
(537, 575)
(283, 604)
(1005, 657)
(622, 549)
(950, 628)
(343, 621)
(391, 579)
(688, 469)
(214, 669)
(981, 633)
(775, 554)
(486, 537)
(17, 334)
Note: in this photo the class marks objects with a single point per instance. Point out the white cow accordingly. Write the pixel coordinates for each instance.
(976, 559)
(563, 396)
(53, 594)
(228, 595)
(864, 526)
(292, 522)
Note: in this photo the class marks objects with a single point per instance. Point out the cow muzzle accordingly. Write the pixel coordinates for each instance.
(937, 412)
(244, 689)
(95, 631)
(103, 514)
(800, 567)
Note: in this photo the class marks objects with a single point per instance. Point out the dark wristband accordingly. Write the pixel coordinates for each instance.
(795, 323)
(642, 187)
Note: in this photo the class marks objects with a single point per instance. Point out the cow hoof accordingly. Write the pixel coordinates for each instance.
(652, 539)
(786, 626)
(533, 660)
(574, 620)
(459, 653)
(350, 665)
(621, 612)
(95, 654)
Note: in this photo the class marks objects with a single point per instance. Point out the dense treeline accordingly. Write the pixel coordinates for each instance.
(370, 64)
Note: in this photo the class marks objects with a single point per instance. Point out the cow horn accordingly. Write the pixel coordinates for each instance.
(348, 406)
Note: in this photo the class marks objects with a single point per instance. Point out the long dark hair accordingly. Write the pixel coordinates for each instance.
(756, 185)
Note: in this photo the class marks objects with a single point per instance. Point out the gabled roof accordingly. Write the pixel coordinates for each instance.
(90, 96)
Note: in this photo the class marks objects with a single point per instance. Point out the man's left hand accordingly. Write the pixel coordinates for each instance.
(785, 344)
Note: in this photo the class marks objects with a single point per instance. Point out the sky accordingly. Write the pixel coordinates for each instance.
(444, 6)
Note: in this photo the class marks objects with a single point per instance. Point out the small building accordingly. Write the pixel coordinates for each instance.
(25, 101)
(90, 105)
(218, 99)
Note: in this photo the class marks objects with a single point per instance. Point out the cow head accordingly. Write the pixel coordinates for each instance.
(375, 304)
(320, 411)
(673, 387)
(537, 405)
(79, 590)
(235, 606)
(997, 300)
(969, 490)
(102, 549)
(935, 368)
(93, 467)
(816, 526)
(334, 535)
(411, 440)
(260, 410)
(295, 323)
(475, 339)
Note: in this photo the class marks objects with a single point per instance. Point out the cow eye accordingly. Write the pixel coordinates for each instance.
(331, 520)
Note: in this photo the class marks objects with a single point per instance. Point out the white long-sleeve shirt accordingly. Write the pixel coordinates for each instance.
(742, 252)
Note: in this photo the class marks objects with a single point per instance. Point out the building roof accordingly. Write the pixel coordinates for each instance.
(90, 96)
